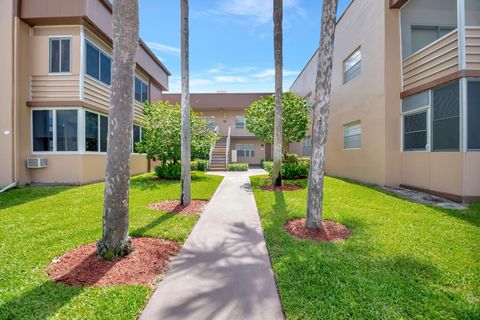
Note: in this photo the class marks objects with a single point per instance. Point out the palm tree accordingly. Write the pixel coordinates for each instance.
(186, 179)
(278, 54)
(321, 109)
(115, 241)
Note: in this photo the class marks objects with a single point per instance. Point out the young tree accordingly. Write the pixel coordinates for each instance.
(278, 54)
(162, 133)
(261, 113)
(115, 242)
(186, 179)
(321, 109)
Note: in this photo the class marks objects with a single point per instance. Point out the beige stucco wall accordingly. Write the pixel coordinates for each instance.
(6, 93)
(80, 168)
(259, 149)
(471, 174)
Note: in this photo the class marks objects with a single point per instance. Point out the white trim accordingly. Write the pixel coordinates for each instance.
(99, 63)
(60, 38)
(82, 63)
(463, 114)
(461, 34)
(145, 83)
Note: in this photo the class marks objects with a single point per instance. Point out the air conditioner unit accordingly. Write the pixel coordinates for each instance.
(36, 162)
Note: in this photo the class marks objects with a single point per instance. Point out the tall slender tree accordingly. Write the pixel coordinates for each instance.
(186, 179)
(115, 242)
(321, 109)
(278, 55)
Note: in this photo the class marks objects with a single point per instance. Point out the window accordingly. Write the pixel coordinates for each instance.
(211, 124)
(240, 122)
(42, 122)
(352, 135)
(415, 131)
(307, 147)
(96, 132)
(422, 36)
(55, 130)
(446, 118)
(473, 109)
(245, 150)
(141, 90)
(352, 66)
(415, 121)
(137, 137)
(59, 55)
(98, 65)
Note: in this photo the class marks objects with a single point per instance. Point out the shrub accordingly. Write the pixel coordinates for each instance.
(293, 167)
(238, 167)
(200, 165)
(169, 170)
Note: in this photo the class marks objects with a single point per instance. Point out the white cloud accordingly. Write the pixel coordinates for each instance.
(163, 48)
(231, 79)
(268, 73)
(260, 10)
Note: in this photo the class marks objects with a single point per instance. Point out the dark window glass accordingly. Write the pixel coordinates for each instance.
(144, 92)
(415, 131)
(42, 130)
(65, 55)
(136, 137)
(103, 133)
(473, 115)
(105, 69)
(138, 90)
(240, 153)
(54, 55)
(446, 118)
(67, 124)
(91, 131)
(92, 61)
(422, 36)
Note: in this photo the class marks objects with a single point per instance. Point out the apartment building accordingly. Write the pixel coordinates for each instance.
(225, 113)
(55, 89)
(405, 106)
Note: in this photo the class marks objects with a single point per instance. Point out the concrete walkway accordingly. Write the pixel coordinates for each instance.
(223, 271)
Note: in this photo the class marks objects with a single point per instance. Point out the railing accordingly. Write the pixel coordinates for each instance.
(227, 148)
(436, 60)
(211, 148)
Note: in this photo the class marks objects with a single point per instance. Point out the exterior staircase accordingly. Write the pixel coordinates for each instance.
(218, 161)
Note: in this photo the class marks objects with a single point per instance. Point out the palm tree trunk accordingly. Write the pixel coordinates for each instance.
(278, 54)
(186, 178)
(115, 241)
(321, 109)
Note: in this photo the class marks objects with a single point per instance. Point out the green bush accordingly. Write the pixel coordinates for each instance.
(199, 165)
(293, 167)
(238, 167)
(169, 170)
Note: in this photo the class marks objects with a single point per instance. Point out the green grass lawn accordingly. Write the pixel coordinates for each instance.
(41, 223)
(403, 260)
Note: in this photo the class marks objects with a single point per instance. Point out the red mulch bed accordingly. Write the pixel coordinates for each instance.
(82, 267)
(195, 207)
(331, 232)
(285, 187)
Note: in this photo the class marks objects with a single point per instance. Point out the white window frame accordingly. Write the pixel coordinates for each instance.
(243, 147)
(145, 83)
(344, 68)
(88, 41)
(429, 126)
(98, 131)
(348, 125)
(63, 37)
(54, 131)
(244, 122)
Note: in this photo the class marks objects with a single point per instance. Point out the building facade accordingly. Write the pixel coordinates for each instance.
(55, 92)
(225, 112)
(405, 107)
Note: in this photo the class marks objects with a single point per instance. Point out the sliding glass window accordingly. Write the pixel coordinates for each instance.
(96, 132)
(55, 130)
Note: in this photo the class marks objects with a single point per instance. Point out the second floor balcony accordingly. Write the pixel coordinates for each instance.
(440, 41)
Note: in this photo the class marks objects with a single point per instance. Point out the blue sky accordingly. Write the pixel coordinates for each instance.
(231, 41)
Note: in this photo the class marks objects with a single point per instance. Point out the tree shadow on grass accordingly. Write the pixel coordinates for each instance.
(43, 301)
(22, 195)
(162, 218)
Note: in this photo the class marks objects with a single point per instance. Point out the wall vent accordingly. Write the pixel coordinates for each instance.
(36, 162)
